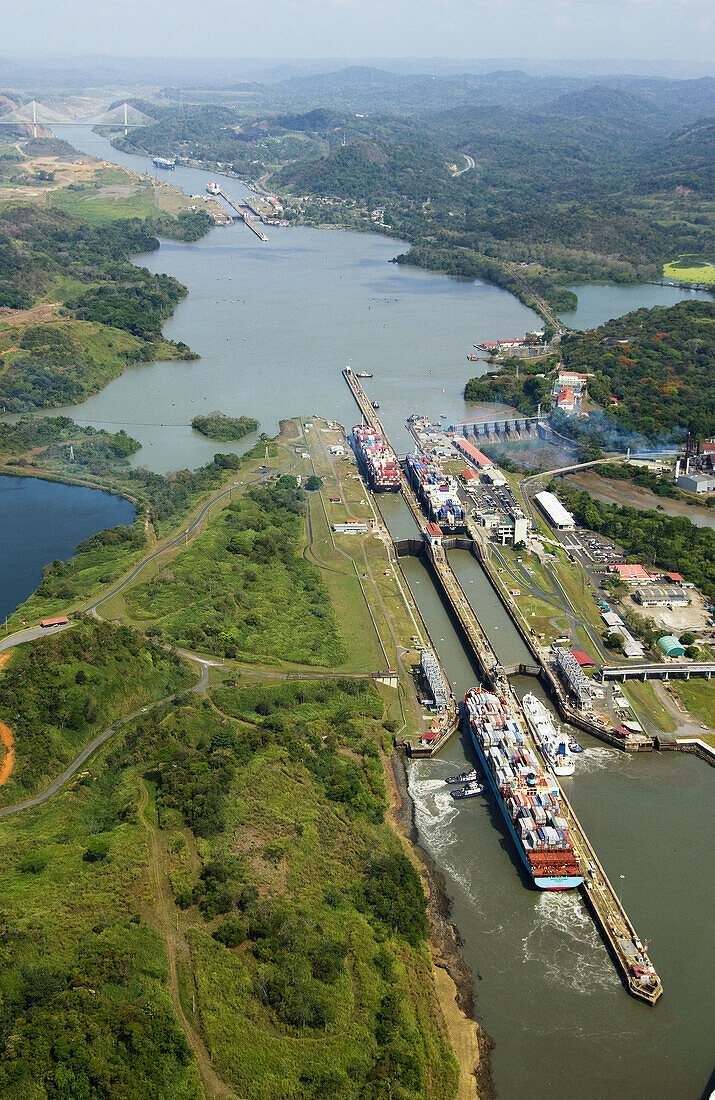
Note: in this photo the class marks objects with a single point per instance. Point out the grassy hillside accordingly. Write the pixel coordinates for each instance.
(243, 589)
(58, 693)
(289, 949)
(305, 921)
(84, 1004)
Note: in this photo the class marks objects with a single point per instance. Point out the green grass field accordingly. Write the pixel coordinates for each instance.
(243, 590)
(698, 695)
(645, 702)
(687, 271)
(105, 203)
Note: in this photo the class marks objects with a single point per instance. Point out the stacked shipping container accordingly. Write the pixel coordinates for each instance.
(377, 459)
(436, 490)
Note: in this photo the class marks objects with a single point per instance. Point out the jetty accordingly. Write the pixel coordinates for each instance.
(628, 953)
(243, 212)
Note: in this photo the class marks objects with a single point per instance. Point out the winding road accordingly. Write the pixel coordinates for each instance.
(200, 685)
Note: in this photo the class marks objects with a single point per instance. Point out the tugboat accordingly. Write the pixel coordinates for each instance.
(574, 745)
(363, 374)
(213, 189)
(470, 791)
(463, 777)
(375, 404)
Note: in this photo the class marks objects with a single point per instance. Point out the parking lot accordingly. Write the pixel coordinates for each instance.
(497, 498)
(591, 549)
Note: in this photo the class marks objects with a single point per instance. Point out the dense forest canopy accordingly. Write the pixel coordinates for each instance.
(660, 369)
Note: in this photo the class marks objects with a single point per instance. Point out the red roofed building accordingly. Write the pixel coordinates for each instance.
(631, 574)
(469, 475)
(470, 451)
(566, 400)
(582, 658)
(434, 534)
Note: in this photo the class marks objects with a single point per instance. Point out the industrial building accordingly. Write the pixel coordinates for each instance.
(352, 527)
(472, 453)
(494, 476)
(433, 675)
(665, 595)
(575, 679)
(696, 483)
(671, 646)
(554, 511)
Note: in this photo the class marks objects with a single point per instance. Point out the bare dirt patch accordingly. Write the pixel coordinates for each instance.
(45, 312)
(7, 738)
(629, 495)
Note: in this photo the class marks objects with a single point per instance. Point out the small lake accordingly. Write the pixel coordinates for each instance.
(44, 520)
(598, 304)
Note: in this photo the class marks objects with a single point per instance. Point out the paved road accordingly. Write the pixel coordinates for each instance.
(30, 635)
(468, 165)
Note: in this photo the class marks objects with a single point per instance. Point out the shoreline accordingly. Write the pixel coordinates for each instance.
(470, 1044)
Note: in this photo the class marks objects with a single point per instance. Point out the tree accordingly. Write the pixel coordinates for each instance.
(313, 482)
(687, 638)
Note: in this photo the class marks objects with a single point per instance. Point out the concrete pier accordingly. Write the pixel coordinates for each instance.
(244, 214)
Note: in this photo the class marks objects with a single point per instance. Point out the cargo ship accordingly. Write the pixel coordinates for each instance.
(553, 743)
(527, 798)
(164, 162)
(377, 459)
(213, 189)
(436, 491)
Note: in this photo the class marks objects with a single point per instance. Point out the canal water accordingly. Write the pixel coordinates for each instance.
(275, 324)
(598, 304)
(42, 521)
(545, 988)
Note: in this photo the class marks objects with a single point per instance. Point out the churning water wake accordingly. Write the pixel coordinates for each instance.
(595, 759)
(566, 946)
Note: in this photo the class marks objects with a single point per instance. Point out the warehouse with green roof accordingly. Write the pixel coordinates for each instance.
(671, 646)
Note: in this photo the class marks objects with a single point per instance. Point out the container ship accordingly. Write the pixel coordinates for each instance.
(527, 798)
(213, 189)
(164, 162)
(553, 743)
(437, 492)
(377, 459)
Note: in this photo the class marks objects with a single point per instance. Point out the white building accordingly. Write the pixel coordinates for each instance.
(665, 595)
(555, 512)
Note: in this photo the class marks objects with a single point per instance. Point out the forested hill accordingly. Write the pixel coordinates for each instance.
(578, 180)
(661, 372)
(103, 312)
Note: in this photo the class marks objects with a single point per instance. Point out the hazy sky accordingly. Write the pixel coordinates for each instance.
(641, 29)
